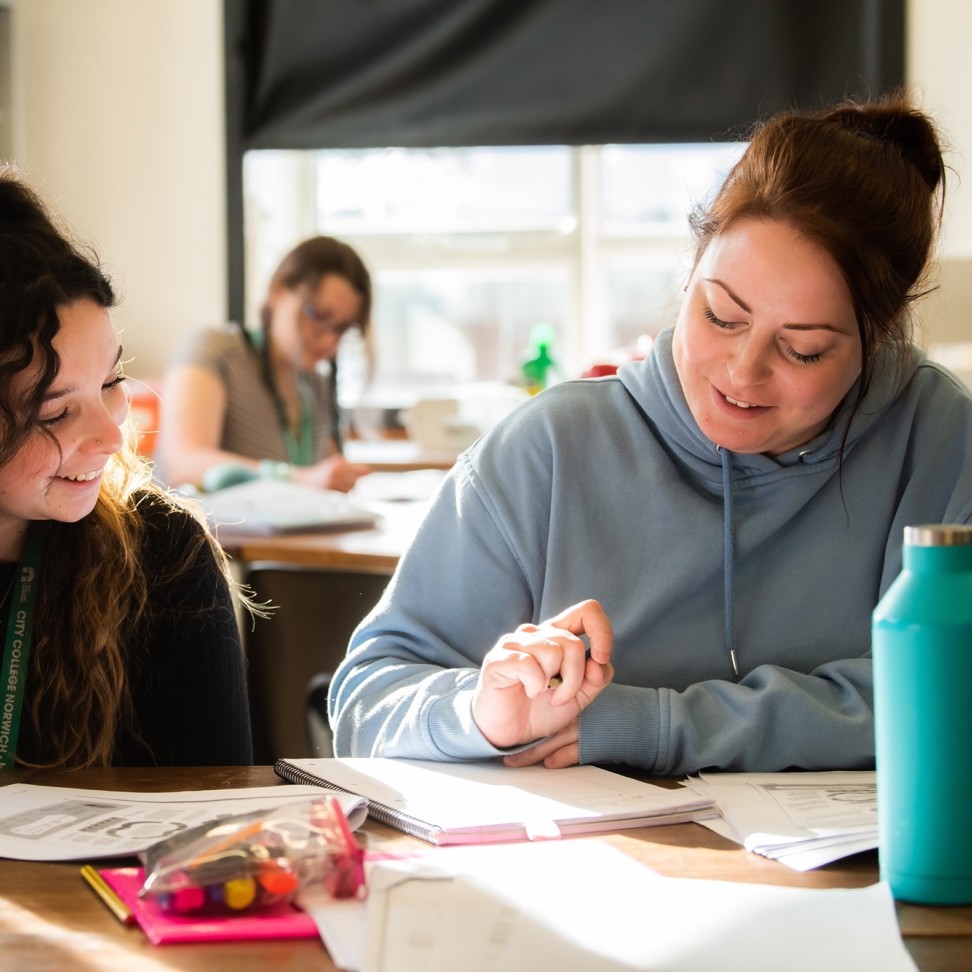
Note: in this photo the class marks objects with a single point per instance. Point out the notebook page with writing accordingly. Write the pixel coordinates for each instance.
(485, 802)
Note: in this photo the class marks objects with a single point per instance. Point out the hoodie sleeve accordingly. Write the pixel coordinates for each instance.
(772, 719)
(406, 686)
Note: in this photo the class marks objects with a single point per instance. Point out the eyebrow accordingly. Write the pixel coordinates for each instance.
(53, 396)
(791, 326)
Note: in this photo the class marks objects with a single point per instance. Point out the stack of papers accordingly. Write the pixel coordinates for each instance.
(803, 820)
(487, 802)
(264, 507)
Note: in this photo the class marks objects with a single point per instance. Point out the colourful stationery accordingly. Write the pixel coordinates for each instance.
(284, 921)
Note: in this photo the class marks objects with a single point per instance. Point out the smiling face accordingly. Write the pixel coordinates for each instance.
(83, 411)
(766, 345)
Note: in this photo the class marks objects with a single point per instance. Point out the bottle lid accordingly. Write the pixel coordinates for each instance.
(938, 535)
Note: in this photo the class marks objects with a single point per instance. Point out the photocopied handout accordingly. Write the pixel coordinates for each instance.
(576, 906)
(57, 823)
(803, 820)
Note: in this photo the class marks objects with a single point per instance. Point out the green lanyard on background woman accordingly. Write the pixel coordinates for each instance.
(299, 442)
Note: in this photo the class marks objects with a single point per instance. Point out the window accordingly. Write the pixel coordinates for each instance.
(470, 248)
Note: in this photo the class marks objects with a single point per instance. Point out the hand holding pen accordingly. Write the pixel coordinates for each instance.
(536, 680)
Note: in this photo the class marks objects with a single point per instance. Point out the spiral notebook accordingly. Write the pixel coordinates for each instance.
(488, 802)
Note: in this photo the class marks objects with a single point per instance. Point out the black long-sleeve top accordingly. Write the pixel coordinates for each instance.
(185, 663)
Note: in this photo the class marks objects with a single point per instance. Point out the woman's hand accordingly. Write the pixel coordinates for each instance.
(536, 680)
(556, 751)
(335, 472)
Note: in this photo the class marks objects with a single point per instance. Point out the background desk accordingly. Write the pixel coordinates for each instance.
(321, 585)
(396, 455)
(368, 551)
(50, 920)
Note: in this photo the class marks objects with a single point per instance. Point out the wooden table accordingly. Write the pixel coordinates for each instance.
(50, 920)
(371, 550)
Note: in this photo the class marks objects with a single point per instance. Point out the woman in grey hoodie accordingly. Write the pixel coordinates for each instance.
(675, 567)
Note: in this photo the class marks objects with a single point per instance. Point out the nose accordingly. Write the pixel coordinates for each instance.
(106, 431)
(749, 362)
(324, 344)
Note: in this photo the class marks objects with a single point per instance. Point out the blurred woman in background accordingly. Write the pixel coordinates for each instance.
(239, 404)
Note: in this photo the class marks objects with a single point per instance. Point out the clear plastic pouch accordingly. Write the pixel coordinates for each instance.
(255, 860)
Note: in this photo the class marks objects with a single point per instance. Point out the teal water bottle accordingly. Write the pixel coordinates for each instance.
(922, 650)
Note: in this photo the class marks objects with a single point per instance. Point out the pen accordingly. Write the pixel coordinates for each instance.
(101, 888)
(556, 680)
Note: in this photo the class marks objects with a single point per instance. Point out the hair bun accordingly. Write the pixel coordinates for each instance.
(895, 122)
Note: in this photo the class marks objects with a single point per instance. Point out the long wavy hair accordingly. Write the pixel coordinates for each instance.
(93, 586)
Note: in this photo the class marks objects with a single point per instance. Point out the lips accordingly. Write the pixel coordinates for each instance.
(85, 477)
(738, 406)
(732, 401)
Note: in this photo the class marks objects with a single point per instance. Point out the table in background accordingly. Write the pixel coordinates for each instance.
(321, 584)
(369, 550)
(396, 455)
(49, 919)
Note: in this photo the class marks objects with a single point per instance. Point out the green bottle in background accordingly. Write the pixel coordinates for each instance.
(922, 653)
(539, 369)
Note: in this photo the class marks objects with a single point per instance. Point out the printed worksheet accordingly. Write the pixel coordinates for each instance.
(803, 820)
(57, 823)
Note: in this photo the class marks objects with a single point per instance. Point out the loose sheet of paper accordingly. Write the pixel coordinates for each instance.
(576, 906)
(59, 823)
(803, 820)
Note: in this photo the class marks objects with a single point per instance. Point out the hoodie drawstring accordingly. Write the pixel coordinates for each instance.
(729, 635)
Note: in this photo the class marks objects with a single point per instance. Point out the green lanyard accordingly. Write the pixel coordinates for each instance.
(17, 647)
(300, 446)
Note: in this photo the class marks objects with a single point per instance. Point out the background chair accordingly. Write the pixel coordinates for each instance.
(291, 655)
(318, 725)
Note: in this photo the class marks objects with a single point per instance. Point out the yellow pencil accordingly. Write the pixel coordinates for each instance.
(101, 888)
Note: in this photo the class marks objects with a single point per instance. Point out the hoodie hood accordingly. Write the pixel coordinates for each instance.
(655, 386)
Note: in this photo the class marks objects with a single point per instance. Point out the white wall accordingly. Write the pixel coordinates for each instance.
(939, 71)
(121, 128)
(121, 107)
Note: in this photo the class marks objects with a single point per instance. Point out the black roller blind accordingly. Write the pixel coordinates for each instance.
(311, 74)
(372, 73)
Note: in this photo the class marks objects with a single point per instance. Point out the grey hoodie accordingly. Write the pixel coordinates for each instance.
(608, 489)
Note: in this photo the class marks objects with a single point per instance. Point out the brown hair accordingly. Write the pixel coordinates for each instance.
(309, 262)
(861, 181)
(305, 266)
(93, 586)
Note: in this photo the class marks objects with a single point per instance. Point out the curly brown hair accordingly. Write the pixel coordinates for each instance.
(93, 587)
